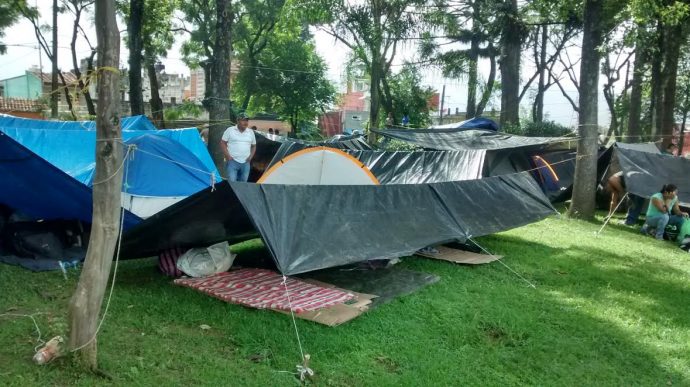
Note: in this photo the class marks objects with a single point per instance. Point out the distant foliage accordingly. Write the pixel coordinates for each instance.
(538, 129)
(393, 145)
(309, 132)
(187, 110)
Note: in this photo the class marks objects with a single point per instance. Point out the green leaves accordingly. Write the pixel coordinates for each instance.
(410, 97)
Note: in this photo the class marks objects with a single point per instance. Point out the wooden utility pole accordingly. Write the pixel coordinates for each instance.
(85, 305)
(54, 78)
(443, 97)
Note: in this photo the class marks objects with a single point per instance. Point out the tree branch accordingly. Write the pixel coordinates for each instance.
(574, 105)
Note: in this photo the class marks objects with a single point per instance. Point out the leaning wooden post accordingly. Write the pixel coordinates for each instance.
(85, 305)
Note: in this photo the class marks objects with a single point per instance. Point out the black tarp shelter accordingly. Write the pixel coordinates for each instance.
(505, 153)
(462, 139)
(409, 167)
(314, 227)
(645, 172)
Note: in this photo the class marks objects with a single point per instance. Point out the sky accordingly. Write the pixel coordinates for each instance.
(22, 53)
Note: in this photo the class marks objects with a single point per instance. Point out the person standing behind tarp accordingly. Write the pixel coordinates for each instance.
(616, 187)
(389, 120)
(663, 210)
(239, 145)
(671, 150)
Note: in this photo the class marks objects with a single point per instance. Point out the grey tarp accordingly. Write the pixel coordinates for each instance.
(314, 227)
(649, 147)
(645, 173)
(410, 167)
(459, 139)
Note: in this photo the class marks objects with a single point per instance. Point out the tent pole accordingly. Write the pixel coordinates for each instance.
(608, 218)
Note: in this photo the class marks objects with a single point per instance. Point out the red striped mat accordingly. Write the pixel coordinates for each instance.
(264, 289)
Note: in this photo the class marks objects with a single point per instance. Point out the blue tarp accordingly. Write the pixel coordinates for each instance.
(73, 151)
(127, 123)
(150, 171)
(37, 188)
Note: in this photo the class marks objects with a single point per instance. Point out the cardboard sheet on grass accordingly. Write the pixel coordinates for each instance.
(264, 289)
(459, 256)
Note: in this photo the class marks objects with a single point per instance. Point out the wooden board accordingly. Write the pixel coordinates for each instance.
(337, 314)
(460, 256)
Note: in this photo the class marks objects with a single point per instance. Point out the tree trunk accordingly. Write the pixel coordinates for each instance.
(610, 98)
(136, 47)
(206, 102)
(253, 64)
(657, 99)
(472, 73)
(681, 140)
(87, 94)
(584, 187)
(54, 74)
(472, 82)
(375, 96)
(670, 70)
(219, 86)
(83, 85)
(156, 102)
(489, 86)
(611, 103)
(538, 107)
(386, 96)
(68, 96)
(634, 120)
(510, 67)
(85, 305)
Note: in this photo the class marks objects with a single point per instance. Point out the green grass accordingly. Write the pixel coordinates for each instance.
(607, 310)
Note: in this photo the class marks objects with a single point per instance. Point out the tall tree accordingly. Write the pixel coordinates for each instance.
(669, 19)
(617, 51)
(294, 86)
(219, 89)
(683, 97)
(135, 44)
(373, 30)
(77, 8)
(469, 46)
(675, 34)
(9, 14)
(548, 42)
(210, 25)
(254, 30)
(198, 20)
(584, 186)
(512, 36)
(410, 97)
(33, 16)
(85, 305)
(54, 62)
(640, 65)
(554, 27)
(157, 40)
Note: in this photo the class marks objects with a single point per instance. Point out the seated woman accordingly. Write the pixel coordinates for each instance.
(663, 210)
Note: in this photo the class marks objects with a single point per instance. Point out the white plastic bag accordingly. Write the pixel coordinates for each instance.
(203, 262)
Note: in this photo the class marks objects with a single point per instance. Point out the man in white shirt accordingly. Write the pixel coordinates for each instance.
(239, 145)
